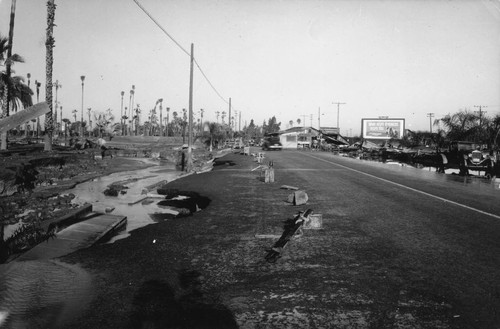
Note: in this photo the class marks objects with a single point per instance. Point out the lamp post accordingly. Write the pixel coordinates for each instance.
(38, 85)
(131, 112)
(201, 120)
(57, 85)
(161, 116)
(81, 121)
(60, 107)
(121, 112)
(132, 109)
(90, 122)
(26, 126)
(168, 113)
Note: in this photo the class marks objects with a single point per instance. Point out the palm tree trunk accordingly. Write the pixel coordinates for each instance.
(49, 45)
(6, 97)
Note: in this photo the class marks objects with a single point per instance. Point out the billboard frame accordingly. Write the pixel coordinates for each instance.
(383, 128)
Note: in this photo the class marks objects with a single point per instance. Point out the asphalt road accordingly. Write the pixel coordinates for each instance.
(399, 248)
(437, 235)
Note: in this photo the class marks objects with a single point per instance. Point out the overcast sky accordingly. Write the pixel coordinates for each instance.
(291, 59)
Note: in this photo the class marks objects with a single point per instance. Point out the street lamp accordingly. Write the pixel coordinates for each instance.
(161, 116)
(90, 122)
(81, 121)
(57, 85)
(168, 112)
(121, 112)
(131, 111)
(38, 85)
(201, 120)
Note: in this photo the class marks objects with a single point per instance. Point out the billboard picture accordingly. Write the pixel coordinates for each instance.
(382, 128)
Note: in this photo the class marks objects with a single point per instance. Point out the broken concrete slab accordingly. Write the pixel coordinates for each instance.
(298, 198)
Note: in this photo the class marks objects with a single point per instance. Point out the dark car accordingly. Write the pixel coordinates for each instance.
(272, 142)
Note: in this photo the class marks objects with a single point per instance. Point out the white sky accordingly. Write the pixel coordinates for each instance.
(401, 59)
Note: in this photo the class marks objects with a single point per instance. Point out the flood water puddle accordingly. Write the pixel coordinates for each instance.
(133, 203)
(48, 294)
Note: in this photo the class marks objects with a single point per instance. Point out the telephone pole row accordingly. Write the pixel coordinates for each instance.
(430, 115)
(338, 114)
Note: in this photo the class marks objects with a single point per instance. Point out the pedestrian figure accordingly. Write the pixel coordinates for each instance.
(463, 166)
(102, 144)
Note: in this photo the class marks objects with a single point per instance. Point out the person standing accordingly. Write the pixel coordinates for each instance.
(102, 144)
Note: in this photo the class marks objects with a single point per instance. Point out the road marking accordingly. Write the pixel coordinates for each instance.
(409, 188)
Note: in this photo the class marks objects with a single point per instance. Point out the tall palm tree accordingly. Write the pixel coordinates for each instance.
(8, 61)
(461, 125)
(49, 45)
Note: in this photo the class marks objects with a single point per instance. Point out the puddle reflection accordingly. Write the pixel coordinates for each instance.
(133, 202)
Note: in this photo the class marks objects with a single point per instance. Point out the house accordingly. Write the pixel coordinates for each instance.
(298, 137)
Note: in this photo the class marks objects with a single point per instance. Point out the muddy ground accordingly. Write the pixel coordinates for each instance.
(34, 184)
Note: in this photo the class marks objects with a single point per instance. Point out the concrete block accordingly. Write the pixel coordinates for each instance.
(269, 175)
(300, 198)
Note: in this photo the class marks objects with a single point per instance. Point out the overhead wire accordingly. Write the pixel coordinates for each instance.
(182, 48)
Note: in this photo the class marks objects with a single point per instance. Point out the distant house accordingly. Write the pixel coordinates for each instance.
(332, 136)
(297, 137)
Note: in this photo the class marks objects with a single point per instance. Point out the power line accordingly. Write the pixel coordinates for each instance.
(184, 50)
(161, 28)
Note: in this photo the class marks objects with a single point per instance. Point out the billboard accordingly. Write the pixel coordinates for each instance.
(382, 128)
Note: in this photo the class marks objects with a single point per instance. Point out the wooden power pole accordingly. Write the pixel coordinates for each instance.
(190, 127)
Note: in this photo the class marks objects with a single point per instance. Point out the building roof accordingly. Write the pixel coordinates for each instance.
(299, 130)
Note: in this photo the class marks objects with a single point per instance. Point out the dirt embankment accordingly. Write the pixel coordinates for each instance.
(32, 182)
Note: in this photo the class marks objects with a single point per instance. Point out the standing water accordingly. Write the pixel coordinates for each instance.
(131, 202)
(42, 294)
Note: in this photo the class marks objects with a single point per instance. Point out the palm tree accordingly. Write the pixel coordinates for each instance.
(103, 122)
(461, 125)
(7, 59)
(214, 133)
(49, 45)
(298, 122)
(174, 123)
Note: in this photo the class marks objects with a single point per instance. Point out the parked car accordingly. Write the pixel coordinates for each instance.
(272, 142)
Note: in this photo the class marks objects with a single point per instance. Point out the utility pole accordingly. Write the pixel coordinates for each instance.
(190, 127)
(480, 117)
(430, 115)
(480, 114)
(230, 132)
(201, 121)
(319, 118)
(338, 114)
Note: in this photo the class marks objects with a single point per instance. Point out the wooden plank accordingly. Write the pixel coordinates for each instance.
(77, 236)
(23, 116)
